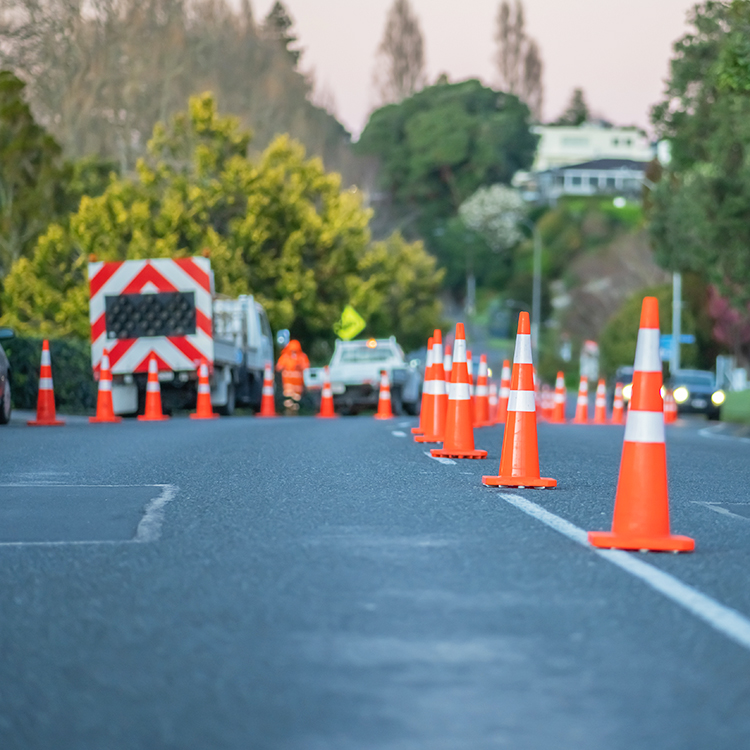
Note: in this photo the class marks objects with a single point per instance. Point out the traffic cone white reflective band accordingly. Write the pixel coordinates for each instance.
(559, 398)
(45, 384)
(481, 390)
(152, 386)
(459, 392)
(105, 363)
(583, 399)
(327, 391)
(153, 368)
(447, 364)
(522, 401)
(268, 372)
(105, 385)
(459, 352)
(46, 359)
(268, 390)
(505, 374)
(204, 388)
(647, 351)
(493, 395)
(644, 427)
(504, 392)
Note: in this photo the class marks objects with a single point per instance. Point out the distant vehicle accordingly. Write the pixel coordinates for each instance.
(623, 375)
(355, 376)
(167, 307)
(5, 406)
(695, 392)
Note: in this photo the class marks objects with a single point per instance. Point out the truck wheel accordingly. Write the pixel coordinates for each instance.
(228, 409)
(412, 409)
(5, 405)
(397, 402)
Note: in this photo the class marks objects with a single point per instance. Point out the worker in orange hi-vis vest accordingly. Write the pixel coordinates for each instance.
(292, 364)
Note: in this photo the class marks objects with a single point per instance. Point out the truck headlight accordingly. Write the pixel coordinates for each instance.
(627, 391)
(681, 394)
(718, 398)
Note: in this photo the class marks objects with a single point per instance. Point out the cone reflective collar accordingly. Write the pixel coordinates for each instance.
(46, 415)
(670, 408)
(502, 406)
(600, 405)
(434, 424)
(427, 369)
(447, 366)
(459, 430)
(384, 398)
(153, 412)
(519, 463)
(493, 403)
(641, 517)
(482, 396)
(203, 409)
(326, 397)
(582, 403)
(104, 407)
(268, 400)
(558, 409)
(618, 406)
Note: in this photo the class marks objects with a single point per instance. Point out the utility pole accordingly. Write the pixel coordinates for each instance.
(674, 354)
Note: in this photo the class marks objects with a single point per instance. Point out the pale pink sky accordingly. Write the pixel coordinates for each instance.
(617, 50)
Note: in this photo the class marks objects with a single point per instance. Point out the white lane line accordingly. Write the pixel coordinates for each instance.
(724, 619)
(714, 432)
(398, 433)
(718, 509)
(439, 459)
(404, 424)
(149, 528)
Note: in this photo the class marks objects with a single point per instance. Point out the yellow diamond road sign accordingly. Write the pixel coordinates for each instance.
(350, 325)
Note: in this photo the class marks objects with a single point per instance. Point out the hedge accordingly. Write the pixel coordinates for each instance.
(75, 389)
(736, 408)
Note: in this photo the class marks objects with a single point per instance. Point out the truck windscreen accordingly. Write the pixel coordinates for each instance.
(130, 316)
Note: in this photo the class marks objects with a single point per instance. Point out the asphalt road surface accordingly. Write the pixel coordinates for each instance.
(310, 585)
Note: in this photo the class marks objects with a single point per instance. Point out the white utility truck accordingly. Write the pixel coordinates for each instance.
(167, 307)
(355, 376)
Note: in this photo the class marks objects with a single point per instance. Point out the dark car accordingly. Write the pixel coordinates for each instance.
(695, 392)
(624, 376)
(5, 333)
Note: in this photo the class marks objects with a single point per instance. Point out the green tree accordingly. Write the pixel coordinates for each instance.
(32, 175)
(278, 26)
(280, 228)
(577, 111)
(698, 210)
(438, 146)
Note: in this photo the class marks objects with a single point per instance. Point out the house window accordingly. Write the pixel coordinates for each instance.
(611, 182)
(576, 180)
(594, 182)
(559, 180)
(615, 141)
(575, 142)
(628, 141)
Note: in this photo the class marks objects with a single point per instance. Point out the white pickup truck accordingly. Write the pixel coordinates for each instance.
(355, 376)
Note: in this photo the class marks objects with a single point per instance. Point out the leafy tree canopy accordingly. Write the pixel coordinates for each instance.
(699, 209)
(281, 229)
(438, 146)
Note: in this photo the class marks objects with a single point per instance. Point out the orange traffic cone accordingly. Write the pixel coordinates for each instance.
(268, 401)
(641, 518)
(423, 408)
(434, 425)
(582, 404)
(482, 396)
(326, 397)
(600, 405)
(384, 398)
(447, 367)
(203, 408)
(558, 411)
(618, 406)
(459, 430)
(153, 412)
(502, 406)
(493, 403)
(670, 408)
(105, 411)
(519, 464)
(548, 402)
(45, 403)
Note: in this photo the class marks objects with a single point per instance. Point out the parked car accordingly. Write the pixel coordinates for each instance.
(5, 333)
(695, 392)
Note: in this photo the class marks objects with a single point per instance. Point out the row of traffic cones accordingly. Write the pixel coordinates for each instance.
(641, 514)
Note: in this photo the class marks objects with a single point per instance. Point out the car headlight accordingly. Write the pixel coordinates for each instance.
(627, 391)
(681, 394)
(718, 398)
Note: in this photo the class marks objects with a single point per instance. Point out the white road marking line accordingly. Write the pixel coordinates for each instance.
(398, 433)
(440, 459)
(724, 619)
(717, 509)
(149, 527)
(714, 431)
(404, 424)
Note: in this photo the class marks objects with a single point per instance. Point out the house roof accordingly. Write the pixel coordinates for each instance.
(605, 164)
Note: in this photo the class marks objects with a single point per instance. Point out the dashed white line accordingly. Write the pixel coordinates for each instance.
(439, 459)
(398, 433)
(723, 619)
(718, 509)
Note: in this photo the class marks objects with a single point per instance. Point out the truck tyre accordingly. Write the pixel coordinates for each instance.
(5, 404)
(412, 409)
(228, 409)
(397, 402)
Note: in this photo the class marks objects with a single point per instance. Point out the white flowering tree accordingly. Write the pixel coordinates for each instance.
(494, 213)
